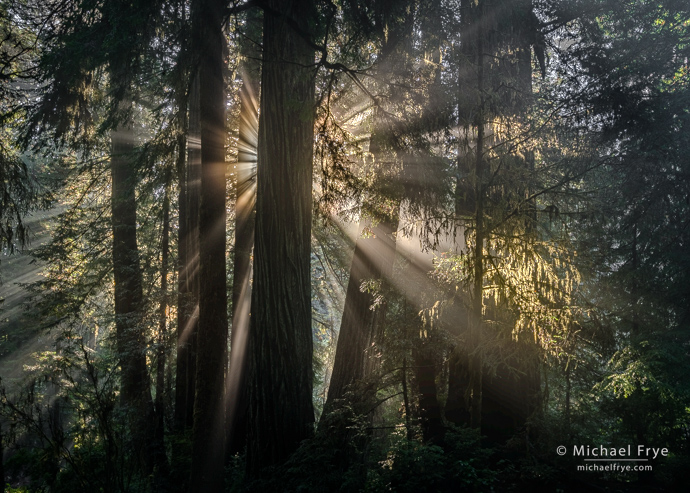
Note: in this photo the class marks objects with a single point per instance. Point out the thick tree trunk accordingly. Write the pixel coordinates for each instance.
(280, 341)
(189, 173)
(128, 291)
(208, 433)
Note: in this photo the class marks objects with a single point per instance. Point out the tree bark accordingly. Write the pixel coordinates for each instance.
(280, 341)
(135, 394)
(189, 176)
(126, 270)
(208, 432)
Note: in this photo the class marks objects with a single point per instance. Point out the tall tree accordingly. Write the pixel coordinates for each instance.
(245, 200)
(208, 435)
(494, 84)
(242, 267)
(189, 178)
(280, 340)
(634, 57)
(136, 387)
(128, 292)
(363, 319)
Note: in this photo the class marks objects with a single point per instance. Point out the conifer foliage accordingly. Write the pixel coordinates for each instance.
(355, 245)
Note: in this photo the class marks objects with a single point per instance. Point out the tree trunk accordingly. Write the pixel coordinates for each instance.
(245, 212)
(458, 402)
(188, 267)
(280, 342)
(189, 173)
(208, 432)
(476, 360)
(242, 269)
(126, 270)
(507, 27)
(363, 320)
(160, 458)
(135, 394)
(429, 408)
(372, 261)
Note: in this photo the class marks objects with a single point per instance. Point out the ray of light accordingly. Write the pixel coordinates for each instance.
(189, 325)
(238, 351)
(242, 271)
(191, 268)
(413, 280)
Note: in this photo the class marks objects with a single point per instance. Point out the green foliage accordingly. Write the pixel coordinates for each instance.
(410, 466)
(21, 489)
(585, 263)
(67, 433)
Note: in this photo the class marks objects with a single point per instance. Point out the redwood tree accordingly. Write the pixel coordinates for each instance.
(280, 341)
(245, 199)
(208, 438)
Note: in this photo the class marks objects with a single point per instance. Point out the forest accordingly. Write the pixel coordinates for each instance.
(344, 246)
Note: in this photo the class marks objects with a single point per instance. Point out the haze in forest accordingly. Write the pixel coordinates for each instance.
(344, 246)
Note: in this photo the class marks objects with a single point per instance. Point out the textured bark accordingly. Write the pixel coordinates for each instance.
(280, 342)
(208, 432)
(188, 279)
